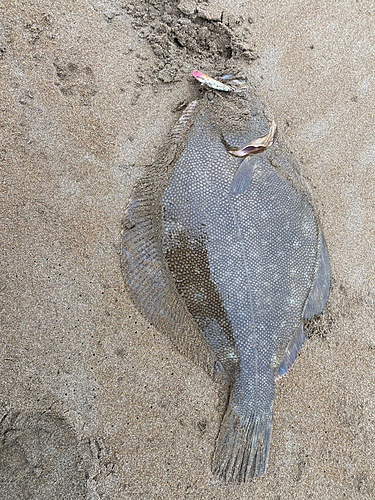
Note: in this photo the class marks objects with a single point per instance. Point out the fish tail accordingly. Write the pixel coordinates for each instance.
(242, 445)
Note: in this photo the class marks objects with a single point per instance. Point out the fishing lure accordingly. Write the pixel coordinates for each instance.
(238, 86)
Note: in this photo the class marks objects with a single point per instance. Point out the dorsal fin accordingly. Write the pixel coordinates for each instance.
(146, 275)
(185, 121)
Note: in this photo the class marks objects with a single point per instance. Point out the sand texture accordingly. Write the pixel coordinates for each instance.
(94, 402)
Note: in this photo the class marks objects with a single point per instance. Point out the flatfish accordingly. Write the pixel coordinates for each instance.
(230, 275)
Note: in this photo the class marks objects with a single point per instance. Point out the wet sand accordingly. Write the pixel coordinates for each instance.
(89, 92)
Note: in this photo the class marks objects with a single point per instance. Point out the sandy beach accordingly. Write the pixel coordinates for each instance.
(95, 403)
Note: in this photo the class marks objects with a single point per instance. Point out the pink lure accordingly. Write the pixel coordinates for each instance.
(211, 82)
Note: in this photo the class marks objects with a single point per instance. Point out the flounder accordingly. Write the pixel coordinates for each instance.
(230, 273)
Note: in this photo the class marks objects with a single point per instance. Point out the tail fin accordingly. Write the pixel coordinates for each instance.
(242, 445)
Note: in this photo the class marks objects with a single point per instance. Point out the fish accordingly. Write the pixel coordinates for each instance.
(230, 277)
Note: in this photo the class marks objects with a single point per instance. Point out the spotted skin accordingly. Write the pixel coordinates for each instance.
(248, 268)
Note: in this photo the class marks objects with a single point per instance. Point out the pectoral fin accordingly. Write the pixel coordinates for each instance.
(242, 177)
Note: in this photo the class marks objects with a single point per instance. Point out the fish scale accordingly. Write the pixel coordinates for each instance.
(246, 269)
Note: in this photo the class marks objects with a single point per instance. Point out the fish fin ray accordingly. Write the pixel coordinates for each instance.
(319, 292)
(291, 352)
(150, 285)
(184, 123)
(242, 178)
(242, 445)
